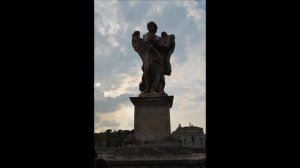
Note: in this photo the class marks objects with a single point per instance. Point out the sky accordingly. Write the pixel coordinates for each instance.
(118, 67)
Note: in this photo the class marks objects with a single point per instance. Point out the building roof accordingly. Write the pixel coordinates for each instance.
(190, 128)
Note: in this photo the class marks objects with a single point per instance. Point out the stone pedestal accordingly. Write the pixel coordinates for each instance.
(152, 117)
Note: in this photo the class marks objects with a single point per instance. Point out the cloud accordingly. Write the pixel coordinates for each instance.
(118, 66)
(194, 114)
(109, 123)
(102, 125)
(105, 104)
(127, 85)
(123, 118)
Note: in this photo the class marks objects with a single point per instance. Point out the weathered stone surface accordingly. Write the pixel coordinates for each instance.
(152, 117)
(150, 152)
(155, 52)
(158, 164)
(150, 157)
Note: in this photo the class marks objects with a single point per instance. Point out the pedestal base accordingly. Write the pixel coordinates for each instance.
(152, 117)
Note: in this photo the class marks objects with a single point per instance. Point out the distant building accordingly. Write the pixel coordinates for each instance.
(190, 136)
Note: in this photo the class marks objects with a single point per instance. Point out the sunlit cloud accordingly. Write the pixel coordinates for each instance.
(98, 84)
(120, 119)
(128, 83)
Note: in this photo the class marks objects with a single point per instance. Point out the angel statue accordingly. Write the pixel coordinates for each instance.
(155, 52)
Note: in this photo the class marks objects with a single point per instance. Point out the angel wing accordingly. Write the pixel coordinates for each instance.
(167, 67)
(138, 44)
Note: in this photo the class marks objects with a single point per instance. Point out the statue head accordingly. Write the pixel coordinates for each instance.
(152, 27)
